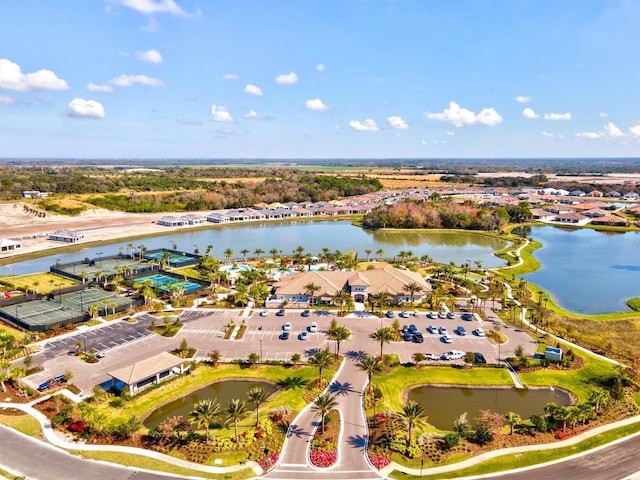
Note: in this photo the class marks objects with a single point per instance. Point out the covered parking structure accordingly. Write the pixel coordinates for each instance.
(148, 372)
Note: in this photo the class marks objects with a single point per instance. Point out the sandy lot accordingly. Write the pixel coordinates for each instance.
(95, 224)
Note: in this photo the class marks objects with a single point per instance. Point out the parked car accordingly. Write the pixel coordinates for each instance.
(280, 313)
(303, 336)
(479, 332)
(305, 313)
(432, 315)
(453, 355)
(404, 329)
(461, 331)
(413, 329)
(479, 358)
(99, 354)
(313, 328)
(418, 338)
(442, 330)
(451, 315)
(284, 336)
(287, 327)
(432, 329)
(442, 315)
(431, 356)
(407, 337)
(446, 339)
(264, 313)
(390, 314)
(467, 317)
(404, 314)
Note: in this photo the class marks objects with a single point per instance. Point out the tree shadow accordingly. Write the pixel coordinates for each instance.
(358, 441)
(357, 356)
(297, 431)
(310, 352)
(339, 388)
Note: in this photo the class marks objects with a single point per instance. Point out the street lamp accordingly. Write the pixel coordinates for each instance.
(81, 303)
(59, 297)
(99, 255)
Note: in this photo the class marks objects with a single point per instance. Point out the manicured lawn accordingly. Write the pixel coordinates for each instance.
(23, 423)
(634, 303)
(25, 282)
(394, 384)
(139, 461)
(509, 462)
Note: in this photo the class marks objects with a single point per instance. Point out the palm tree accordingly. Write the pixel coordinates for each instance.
(378, 298)
(338, 334)
(321, 359)
(412, 288)
(228, 253)
(371, 366)
(258, 252)
(512, 419)
(412, 413)
(368, 252)
(599, 399)
(379, 253)
(342, 298)
(273, 252)
(323, 405)
(4, 374)
(204, 413)
(382, 335)
(311, 288)
(236, 409)
(244, 252)
(257, 395)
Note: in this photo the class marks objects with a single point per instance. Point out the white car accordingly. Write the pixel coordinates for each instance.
(447, 339)
(287, 327)
(264, 313)
(313, 328)
(479, 332)
(404, 314)
(303, 336)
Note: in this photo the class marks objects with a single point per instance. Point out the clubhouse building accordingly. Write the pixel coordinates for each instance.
(361, 285)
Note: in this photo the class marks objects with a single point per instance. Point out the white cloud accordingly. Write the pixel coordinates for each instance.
(317, 105)
(253, 90)
(320, 67)
(149, 7)
(397, 122)
(6, 100)
(635, 130)
(230, 76)
(451, 134)
(150, 56)
(130, 80)
(557, 116)
(522, 99)
(79, 107)
(251, 114)
(529, 113)
(367, 125)
(220, 114)
(604, 115)
(92, 87)
(552, 135)
(590, 135)
(12, 78)
(287, 79)
(458, 116)
(612, 130)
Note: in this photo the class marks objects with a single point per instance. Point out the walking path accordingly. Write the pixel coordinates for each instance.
(347, 388)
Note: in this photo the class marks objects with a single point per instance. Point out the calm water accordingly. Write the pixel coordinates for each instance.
(340, 235)
(587, 271)
(443, 405)
(224, 392)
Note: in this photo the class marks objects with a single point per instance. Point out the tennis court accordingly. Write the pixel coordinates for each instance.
(162, 282)
(107, 267)
(174, 260)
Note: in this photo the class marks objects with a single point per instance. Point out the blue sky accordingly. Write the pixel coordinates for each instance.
(319, 79)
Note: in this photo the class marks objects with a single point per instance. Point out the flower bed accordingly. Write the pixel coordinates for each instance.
(324, 446)
(378, 461)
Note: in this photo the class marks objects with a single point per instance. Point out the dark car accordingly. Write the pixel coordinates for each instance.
(461, 331)
(284, 336)
(418, 338)
(479, 358)
(404, 329)
(280, 313)
(305, 313)
(413, 329)
(466, 316)
(407, 337)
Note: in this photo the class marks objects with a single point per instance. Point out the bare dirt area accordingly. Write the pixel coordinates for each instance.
(609, 178)
(95, 224)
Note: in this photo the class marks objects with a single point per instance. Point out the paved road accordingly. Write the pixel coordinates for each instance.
(347, 388)
(40, 461)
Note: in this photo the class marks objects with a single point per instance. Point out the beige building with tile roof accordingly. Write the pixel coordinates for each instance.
(362, 284)
(149, 371)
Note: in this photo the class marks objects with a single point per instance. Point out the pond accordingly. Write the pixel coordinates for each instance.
(444, 405)
(223, 392)
(441, 246)
(586, 271)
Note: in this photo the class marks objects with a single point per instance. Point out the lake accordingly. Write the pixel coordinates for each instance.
(442, 246)
(586, 271)
(223, 392)
(444, 405)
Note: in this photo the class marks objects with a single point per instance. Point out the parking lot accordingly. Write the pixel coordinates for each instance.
(124, 343)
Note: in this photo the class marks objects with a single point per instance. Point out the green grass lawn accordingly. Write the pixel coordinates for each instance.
(44, 279)
(23, 423)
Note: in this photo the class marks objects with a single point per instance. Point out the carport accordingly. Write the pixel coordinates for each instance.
(149, 371)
